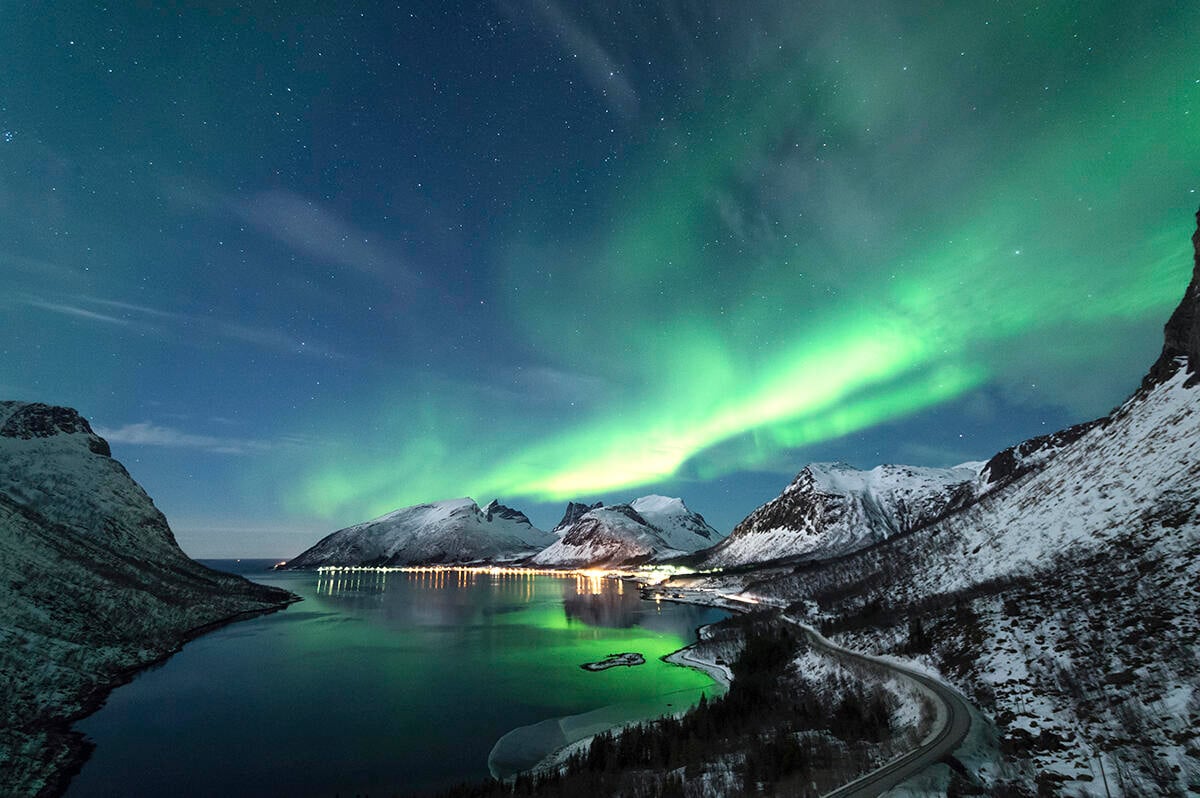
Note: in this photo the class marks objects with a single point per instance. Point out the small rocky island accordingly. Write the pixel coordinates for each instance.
(628, 659)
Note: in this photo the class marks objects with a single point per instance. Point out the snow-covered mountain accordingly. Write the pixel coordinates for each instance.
(452, 531)
(831, 509)
(649, 528)
(1065, 599)
(92, 586)
(680, 528)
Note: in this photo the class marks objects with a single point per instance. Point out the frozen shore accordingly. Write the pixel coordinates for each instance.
(549, 743)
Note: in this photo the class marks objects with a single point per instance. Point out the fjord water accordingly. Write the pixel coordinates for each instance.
(384, 684)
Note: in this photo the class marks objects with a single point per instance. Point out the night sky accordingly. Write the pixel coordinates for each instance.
(306, 263)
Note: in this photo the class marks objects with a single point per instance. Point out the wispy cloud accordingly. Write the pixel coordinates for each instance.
(147, 433)
(320, 234)
(599, 67)
(78, 312)
(186, 325)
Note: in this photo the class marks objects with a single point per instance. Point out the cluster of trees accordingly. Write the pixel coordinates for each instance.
(769, 727)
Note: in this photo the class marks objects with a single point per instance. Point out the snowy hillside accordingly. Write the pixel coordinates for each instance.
(1065, 601)
(650, 528)
(452, 531)
(92, 585)
(1064, 604)
(831, 509)
(680, 528)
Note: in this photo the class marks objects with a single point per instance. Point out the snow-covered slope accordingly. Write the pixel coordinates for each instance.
(680, 528)
(92, 585)
(1066, 604)
(649, 528)
(452, 531)
(831, 509)
(604, 536)
(1065, 601)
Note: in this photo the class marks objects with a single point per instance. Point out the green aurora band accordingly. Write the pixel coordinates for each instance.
(717, 339)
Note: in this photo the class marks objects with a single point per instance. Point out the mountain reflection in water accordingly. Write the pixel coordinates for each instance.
(603, 602)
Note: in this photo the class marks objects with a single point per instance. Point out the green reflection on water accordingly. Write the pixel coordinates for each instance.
(521, 626)
(385, 685)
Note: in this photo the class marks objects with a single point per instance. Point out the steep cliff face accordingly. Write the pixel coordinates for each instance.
(1181, 335)
(575, 511)
(92, 586)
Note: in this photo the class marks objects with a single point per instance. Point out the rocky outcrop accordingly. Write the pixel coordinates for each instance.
(575, 511)
(1026, 456)
(496, 510)
(1181, 334)
(28, 420)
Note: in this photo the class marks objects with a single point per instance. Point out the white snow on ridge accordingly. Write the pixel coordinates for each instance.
(1104, 482)
(454, 530)
(831, 509)
(649, 528)
(604, 536)
(680, 528)
(841, 479)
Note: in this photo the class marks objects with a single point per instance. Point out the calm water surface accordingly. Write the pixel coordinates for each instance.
(384, 684)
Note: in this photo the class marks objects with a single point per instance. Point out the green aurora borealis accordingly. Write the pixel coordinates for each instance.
(768, 346)
(539, 251)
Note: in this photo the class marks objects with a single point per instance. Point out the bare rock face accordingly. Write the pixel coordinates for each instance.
(1022, 458)
(575, 511)
(496, 510)
(36, 420)
(1181, 335)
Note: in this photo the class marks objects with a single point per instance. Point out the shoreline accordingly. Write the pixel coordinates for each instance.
(76, 747)
(720, 674)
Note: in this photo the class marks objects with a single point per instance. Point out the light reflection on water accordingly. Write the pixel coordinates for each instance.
(444, 595)
(419, 673)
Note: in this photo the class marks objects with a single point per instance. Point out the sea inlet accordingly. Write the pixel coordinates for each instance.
(390, 683)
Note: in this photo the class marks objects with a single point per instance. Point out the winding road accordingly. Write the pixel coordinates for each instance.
(950, 726)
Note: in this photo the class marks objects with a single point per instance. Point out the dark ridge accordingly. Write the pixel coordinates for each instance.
(497, 510)
(575, 511)
(37, 420)
(1013, 462)
(1181, 334)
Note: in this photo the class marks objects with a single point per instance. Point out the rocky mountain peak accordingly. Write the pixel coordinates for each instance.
(575, 511)
(29, 420)
(1181, 335)
(497, 510)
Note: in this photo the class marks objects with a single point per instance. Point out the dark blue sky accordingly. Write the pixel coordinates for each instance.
(304, 264)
